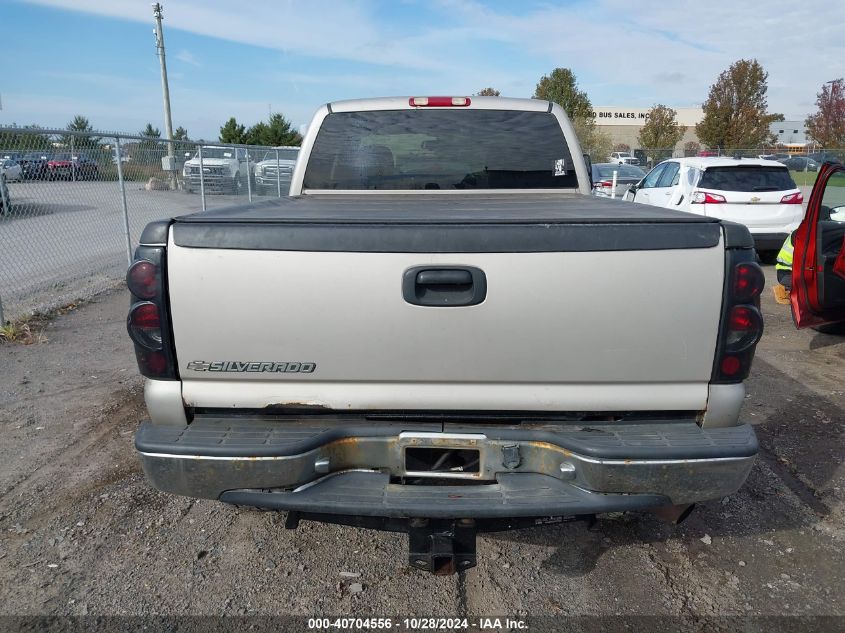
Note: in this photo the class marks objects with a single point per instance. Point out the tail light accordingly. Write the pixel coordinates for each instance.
(748, 281)
(142, 279)
(605, 184)
(703, 197)
(439, 102)
(145, 325)
(148, 324)
(742, 323)
(793, 198)
(745, 327)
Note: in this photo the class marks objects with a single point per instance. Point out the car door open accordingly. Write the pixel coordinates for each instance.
(818, 270)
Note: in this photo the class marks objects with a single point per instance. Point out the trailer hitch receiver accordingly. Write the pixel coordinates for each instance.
(442, 547)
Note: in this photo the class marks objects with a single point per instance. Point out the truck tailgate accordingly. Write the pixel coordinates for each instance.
(580, 314)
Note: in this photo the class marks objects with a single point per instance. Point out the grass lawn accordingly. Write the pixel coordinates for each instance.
(804, 177)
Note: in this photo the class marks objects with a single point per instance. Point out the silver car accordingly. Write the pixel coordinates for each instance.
(626, 175)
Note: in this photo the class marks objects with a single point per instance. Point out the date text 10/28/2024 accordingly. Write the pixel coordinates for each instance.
(417, 624)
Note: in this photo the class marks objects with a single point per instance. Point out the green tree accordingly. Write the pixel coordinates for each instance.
(181, 134)
(277, 131)
(232, 132)
(25, 138)
(593, 141)
(150, 131)
(257, 134)
(735, 113)
(561, 87)
(148, 151)
(661, 131)
(81, 140)
(827, 125)
(488, 92)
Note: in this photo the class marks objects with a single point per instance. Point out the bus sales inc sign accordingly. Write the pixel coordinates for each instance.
(612, 115)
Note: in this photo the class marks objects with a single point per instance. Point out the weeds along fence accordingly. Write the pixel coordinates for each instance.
(73, 204)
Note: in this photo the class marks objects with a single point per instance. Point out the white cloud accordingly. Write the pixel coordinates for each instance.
(625, 52)
(188, 57)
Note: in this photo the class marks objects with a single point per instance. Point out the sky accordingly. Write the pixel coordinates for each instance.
(246, 58)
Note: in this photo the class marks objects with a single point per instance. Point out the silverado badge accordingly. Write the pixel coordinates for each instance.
(252, 366)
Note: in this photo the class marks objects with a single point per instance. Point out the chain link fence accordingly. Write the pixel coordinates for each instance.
(798, 162)
(73, 204)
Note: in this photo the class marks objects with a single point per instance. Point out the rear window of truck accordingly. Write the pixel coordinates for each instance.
(440, 149)
(747, 178)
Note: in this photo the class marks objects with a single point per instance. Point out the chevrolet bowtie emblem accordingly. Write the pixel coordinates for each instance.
(755, 199)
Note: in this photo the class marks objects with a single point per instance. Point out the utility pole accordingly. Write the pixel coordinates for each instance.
(168, 123)
(829, 115)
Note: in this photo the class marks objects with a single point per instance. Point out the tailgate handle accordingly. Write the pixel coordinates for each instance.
(444, 286)
(445, 277)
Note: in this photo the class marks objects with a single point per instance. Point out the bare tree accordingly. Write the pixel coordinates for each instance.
(827, 126)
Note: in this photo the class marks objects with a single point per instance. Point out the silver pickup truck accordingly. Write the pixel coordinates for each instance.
(441, 332)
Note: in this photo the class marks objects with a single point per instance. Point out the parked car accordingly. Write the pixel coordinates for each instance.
(757, 193)
(11, 169)
(825, 157)
(818, 265)
(273, 172)
(437, 346)
(67, 166)
(799, 163)
(626, 175)
(34, 165)
(624, 158)
(224, 170)
(777, 157)
(15, 156)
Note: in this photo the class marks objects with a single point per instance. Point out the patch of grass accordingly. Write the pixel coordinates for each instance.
(804, 178)
(28, 331)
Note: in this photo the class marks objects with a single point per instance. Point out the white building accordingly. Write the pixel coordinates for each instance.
(791, 135)
(624, 124)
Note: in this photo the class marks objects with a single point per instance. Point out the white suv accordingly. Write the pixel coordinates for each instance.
(623, 158)
(757, 193)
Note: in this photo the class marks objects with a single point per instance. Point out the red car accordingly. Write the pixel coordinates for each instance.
(818, 267)
(69, 166)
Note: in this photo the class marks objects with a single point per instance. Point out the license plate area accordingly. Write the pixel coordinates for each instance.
(442, 455)
(438, 460)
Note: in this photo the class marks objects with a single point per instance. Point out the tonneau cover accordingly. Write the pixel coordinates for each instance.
(518, 208)
(418, 224)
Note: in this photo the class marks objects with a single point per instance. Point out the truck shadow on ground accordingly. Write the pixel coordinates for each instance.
(790, 487)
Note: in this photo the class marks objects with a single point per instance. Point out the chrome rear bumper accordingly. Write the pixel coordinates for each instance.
(602, 464)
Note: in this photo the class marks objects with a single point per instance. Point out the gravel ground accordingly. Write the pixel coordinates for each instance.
(82, 533)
